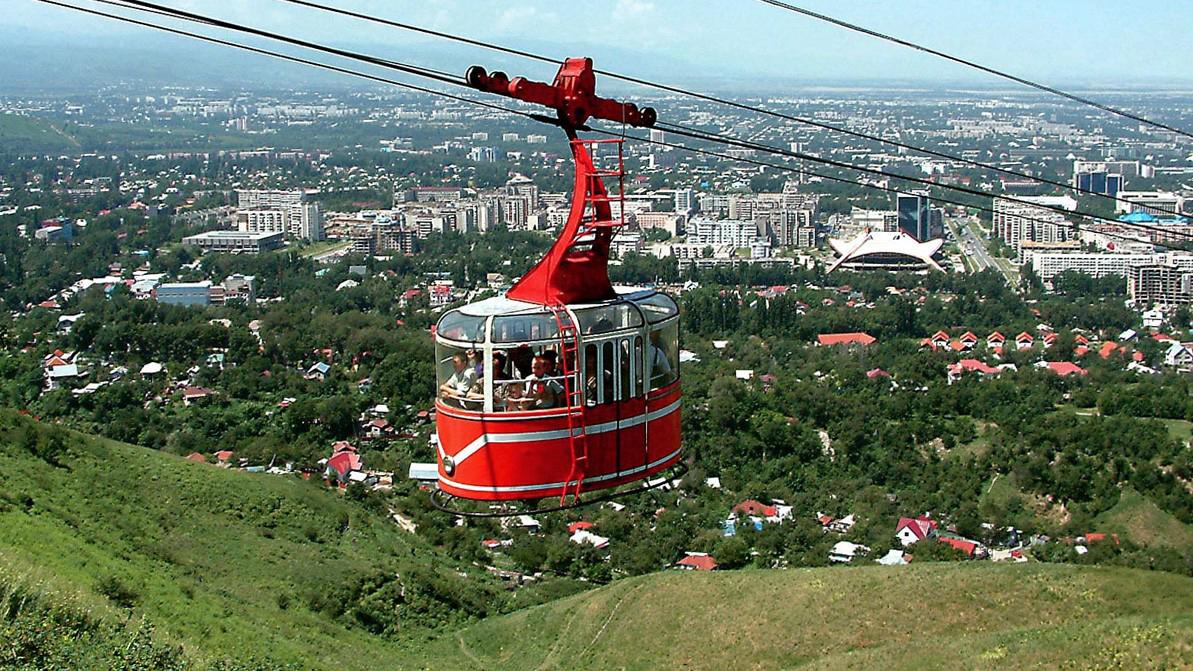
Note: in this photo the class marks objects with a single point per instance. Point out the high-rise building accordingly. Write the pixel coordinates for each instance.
(254, 221)
(310, 224)
(741, 207)
(685, 201)
(299, 215)
(914, 217)
(514, 212)
(1032, 218)
(739, 233)
(1166, 284)
(483, 155)
(935, 223)
(521, 185)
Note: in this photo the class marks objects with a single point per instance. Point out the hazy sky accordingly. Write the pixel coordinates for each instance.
(1056, 41)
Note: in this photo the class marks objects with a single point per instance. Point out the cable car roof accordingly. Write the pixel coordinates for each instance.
(503, 305)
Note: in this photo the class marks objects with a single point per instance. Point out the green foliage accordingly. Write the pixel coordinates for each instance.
(225, 561)
(1054, 615)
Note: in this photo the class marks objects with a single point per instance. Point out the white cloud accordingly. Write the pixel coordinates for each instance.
(632, 10)
(519, 18)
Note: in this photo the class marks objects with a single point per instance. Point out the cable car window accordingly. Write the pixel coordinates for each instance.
(456, 325)
(591, 374)
(663, 354)
(625, 369)
(507, 387)
(607, 373)
(458, 375)
(638, 362)
(521, 328)
(658, 307)
(608, 318)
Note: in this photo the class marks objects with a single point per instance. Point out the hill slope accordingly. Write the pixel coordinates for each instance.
(927, 616)
(226, 563)
(235, 565)
(1140, 520)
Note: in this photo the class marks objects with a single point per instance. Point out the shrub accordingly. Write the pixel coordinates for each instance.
(117, 591)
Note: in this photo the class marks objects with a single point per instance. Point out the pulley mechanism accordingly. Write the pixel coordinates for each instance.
(572, 95)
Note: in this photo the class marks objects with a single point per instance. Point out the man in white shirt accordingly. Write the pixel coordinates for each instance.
(458, 384)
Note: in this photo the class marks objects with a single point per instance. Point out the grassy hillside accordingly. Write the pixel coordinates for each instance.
(21, 133)
(224, 563)
(926, 616)
(98, 538)
(1139, 520)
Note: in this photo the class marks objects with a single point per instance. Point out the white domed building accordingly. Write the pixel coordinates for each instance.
(886, 250)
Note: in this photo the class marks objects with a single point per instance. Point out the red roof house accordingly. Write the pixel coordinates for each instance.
(994, 339)
(1065, 368)
(697, 561)
(577, 526)
(196, 457)
(223, 456)
(1024, 340)
(911, 530)
(967, 547)
(193, 394)
(846, 339)
(756, 508)
(956, 370)
(343, 463)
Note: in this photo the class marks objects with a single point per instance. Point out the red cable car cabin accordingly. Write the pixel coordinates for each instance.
(564, 384)
(510, 440)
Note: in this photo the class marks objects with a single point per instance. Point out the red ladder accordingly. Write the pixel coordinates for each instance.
(569, 359)
(597, 193)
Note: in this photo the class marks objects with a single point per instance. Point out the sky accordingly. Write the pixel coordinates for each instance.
(1075, 42)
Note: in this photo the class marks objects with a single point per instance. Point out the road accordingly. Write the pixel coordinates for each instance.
(974, 249)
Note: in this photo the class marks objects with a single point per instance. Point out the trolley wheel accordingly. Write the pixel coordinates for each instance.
(476, 76)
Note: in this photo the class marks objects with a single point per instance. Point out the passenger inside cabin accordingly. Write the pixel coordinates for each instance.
(590, 386)
(552, 358)
(461, 381)
(522, 359)
(502, 383)
(541, 392)
(477, 359)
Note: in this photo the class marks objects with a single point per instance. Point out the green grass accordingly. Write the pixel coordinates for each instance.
(226, 563)
(977, 447)
(1139, 520)
(921, 616)
(998, 493)
(22, 133)
(97, 537)
(1179, 429)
